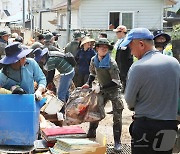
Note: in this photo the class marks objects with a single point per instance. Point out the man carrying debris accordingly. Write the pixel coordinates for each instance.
(107, 72)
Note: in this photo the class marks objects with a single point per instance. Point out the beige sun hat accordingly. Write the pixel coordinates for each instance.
(86, 39)
(14, 35)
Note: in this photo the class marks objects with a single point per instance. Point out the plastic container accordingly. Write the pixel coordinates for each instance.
(19, 119)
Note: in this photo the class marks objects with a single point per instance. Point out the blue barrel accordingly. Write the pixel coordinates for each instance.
(19, 119)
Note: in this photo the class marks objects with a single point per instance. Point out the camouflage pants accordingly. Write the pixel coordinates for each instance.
(114, 96)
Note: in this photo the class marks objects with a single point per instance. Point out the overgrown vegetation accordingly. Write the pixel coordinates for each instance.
(175, 35)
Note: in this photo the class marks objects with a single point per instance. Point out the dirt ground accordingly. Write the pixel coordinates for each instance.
(105, 126)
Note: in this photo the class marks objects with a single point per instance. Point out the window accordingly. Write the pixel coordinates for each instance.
(46, 4)
(121, 18)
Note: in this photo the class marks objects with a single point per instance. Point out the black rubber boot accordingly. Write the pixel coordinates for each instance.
(92, 130)
(110, 112)
(117, 135)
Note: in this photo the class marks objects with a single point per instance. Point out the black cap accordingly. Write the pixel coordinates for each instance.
(77, 34)
(19, 39)
(56, 34)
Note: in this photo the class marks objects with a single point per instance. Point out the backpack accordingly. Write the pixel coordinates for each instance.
(67, 56)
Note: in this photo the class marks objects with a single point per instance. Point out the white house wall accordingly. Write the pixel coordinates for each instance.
(46, 17)
(74, 19)
(94, 14)
(45, 24)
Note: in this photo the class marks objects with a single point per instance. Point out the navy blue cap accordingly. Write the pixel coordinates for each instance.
(39, 53)
(158, 33)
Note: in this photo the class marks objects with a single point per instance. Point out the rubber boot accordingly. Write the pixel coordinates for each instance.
(110, 112)
(92, 130)
(117, 135)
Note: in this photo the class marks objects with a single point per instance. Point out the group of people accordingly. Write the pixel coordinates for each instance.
(151, 84)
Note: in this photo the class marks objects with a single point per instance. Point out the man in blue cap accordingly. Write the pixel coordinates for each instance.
(152, 91)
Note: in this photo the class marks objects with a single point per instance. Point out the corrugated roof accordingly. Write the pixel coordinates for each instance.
(63, 5)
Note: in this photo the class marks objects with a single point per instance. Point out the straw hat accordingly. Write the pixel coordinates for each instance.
(86, 39)
(121, 28)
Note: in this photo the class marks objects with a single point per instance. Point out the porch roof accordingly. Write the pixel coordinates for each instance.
(63, 5)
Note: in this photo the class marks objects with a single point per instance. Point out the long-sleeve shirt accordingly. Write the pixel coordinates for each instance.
(153, 86)
(83, 59)
(29, 73)
(60, 64)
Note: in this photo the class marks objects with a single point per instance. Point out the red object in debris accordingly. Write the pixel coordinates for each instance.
(82, 109)
(63, 130)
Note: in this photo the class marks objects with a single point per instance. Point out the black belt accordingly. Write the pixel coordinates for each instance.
(146, 119)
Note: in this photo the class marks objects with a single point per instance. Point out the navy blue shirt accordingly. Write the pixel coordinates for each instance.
(83, 59)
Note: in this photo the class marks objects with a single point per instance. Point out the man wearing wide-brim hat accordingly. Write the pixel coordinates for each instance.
(21, 71)
(106, 70)
(4, 35)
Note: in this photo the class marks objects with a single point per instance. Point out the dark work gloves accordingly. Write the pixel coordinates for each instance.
(18, 90)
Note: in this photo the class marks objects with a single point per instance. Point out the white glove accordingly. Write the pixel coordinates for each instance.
(38, 95)
(95, 87)
(60, 116)
(123, 48)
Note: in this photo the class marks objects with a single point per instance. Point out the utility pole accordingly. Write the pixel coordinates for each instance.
(30, 15)
(68, 20)
(23, 13)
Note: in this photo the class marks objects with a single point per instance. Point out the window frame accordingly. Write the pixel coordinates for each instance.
(120, 17)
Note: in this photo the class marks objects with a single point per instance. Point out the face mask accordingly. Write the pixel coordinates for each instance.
(160, 44)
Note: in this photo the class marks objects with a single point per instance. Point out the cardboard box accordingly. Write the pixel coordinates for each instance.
(100, 138)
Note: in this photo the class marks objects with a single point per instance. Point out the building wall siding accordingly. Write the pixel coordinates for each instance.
(45, 24)
(95, 13)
